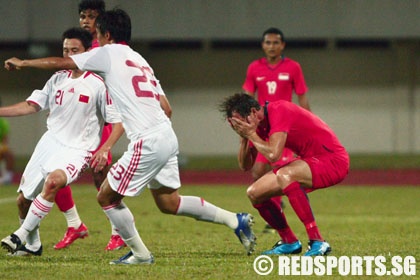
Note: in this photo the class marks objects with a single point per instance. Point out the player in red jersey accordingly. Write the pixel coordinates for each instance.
(271, 78)
(322, 162)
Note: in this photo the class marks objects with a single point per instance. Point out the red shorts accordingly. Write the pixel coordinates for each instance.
(327, 169)
(106, 132)
(286, 157)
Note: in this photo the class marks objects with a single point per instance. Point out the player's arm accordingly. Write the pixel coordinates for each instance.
(100, 158)
(304, 102)
(271, 149)
(246, 154)
(19, 109)
(40, 63)
(164, 104)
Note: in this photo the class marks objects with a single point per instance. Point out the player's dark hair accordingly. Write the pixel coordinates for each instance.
(98, 5)
(240, 103)
(117, 22)
(273, 30)
(79, 33)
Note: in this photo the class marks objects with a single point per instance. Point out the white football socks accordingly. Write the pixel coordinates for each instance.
(72, 218)
(33, 240)
(123, 220)
(37, 211)
(198, 208)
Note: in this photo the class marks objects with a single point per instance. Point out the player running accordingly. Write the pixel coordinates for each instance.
(151, 159)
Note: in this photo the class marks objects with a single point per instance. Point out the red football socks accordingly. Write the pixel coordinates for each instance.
(64, 199)
(300, 203)
(272, 213)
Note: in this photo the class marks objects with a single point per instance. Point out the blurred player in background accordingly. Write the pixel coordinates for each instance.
(78, 105)
(151, 159)
(89, 10)
(271, 78)
(7, 158)
(322, 162)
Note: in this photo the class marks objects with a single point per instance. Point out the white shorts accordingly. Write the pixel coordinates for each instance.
(50, 155)
(149, 161)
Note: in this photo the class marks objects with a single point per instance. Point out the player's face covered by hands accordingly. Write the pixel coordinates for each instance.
(244, 126)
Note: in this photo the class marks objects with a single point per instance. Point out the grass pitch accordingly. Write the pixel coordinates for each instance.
(356, 221)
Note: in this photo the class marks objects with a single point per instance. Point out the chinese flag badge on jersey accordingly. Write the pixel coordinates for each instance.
(83, 98)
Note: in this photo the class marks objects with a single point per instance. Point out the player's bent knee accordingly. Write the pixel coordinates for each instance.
(56, 180)
(168, 207)
(103, 199)
(252, 194)
(22, 202)
(284, 177)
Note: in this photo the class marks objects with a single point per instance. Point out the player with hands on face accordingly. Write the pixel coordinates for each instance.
(272, 78)
(322, 162)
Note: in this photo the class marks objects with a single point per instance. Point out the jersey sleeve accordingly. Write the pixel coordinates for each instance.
(276, 113)
(41, 97)
(249, 83)
(108, 110)
(96, 60)
(159, 88)
(299, 81)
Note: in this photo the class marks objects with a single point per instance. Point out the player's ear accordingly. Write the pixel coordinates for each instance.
(108, 37)
(253, 112)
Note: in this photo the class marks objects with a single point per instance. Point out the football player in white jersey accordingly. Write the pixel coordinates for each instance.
(78, 105)
(151, 158)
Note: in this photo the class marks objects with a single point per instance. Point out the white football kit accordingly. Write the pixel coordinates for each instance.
(152, 152)
(78, 109)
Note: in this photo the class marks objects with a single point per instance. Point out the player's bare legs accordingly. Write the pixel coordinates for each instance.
(115, 242)
(170, 202)
(258, 170)
(75, 227)
(122, 218)
(33, 244)
(38, 209)
(288, 181)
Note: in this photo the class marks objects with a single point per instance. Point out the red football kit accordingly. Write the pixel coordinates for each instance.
(273, 83)
(311, 139)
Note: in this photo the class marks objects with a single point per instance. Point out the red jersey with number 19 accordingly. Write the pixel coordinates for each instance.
(274, 82)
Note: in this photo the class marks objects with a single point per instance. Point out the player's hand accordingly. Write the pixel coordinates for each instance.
(13, 64)
(244, 128)
(99, 160)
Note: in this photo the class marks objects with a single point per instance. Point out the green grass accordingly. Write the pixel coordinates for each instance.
(229, 162)
(357, 161)
(357, 221)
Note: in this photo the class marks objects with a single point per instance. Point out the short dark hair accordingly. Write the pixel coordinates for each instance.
(273, 30)
(240, 103)
(117, 22)
(98, 5)
(79, 33)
